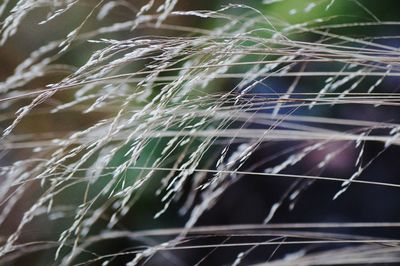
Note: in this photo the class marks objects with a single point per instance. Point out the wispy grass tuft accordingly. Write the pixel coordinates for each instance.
(155, 108)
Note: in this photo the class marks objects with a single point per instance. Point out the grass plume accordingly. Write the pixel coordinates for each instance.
(167, 109)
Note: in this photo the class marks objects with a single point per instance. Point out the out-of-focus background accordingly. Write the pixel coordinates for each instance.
(249, 200)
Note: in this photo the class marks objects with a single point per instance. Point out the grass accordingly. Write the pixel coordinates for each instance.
(164, 119)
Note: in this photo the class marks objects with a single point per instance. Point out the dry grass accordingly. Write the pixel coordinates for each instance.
(158, 105)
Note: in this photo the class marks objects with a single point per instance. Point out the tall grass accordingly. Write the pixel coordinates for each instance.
(183, 113)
